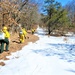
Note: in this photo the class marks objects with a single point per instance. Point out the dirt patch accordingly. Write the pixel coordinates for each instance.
(15, 45)
(2, 63)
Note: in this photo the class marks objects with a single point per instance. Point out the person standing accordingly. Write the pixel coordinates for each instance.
(5, 40)
(24, 32)
(33, 30)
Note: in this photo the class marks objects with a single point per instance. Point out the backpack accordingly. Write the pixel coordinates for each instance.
(2, 36)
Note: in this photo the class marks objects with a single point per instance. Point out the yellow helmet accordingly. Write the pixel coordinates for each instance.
(5, 28)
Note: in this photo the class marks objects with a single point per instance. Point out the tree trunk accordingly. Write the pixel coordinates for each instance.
(49, 31)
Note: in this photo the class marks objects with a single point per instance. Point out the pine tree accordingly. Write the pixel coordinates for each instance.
(56, 15)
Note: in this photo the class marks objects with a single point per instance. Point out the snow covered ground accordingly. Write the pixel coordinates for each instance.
(47, 56)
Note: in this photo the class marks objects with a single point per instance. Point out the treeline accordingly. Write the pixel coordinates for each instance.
(15, 12)
(58, 17)
(25, 13)
(70, 7)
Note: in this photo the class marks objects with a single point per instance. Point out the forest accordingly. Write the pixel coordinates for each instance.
(54, 16)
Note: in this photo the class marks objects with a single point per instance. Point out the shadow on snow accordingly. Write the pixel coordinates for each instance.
(71, 70)
(64, 51)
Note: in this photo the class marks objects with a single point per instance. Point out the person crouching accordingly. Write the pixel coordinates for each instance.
(21, 36)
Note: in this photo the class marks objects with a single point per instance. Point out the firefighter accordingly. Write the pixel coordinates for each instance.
(5, 40)
(21, 36)
(24, 32)
(33, 30)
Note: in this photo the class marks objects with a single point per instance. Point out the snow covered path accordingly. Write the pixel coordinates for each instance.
(47, 56)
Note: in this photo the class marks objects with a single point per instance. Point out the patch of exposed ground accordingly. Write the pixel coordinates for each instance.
(15, 45)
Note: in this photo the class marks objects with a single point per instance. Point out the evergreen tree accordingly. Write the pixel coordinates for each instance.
(56, 15)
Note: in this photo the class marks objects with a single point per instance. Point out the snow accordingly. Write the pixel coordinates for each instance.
(48, 56)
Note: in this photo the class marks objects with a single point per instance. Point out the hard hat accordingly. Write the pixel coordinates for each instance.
(5, 28)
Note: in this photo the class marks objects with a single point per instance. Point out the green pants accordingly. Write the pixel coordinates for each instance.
(4, 41)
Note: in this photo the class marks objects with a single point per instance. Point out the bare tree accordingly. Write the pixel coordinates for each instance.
(13, 12)
(70, 7)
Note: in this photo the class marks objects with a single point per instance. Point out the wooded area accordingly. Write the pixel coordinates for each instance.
(15, 12)
(58, 17)
(26, 13)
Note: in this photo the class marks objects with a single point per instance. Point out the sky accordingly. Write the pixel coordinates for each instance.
(48, 56)
(41, 2)
(63, 2)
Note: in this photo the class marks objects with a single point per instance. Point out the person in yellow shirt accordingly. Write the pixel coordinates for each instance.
(33, 30)
(5, 40)
(21, 36)
(24, 32)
